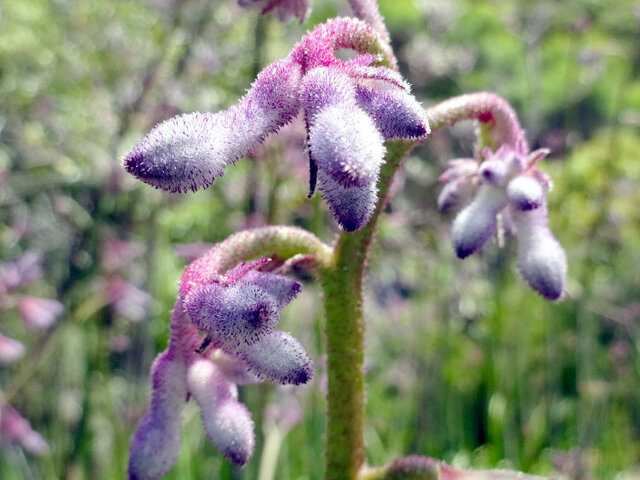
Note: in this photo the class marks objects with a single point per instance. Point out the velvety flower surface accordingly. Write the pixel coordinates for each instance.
(190, 151)
(351, 107)
(15, 429)
(506, 183)
(237, 311)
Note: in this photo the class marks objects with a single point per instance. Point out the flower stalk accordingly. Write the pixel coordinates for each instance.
(343, 297)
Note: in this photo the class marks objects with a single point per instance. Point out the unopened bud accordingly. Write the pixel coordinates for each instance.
(476, 223)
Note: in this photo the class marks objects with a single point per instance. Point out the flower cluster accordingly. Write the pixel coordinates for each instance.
(351, 108)
(506, 183)
(237, 312)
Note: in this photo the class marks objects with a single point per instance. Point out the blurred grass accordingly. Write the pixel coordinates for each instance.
(464, 362)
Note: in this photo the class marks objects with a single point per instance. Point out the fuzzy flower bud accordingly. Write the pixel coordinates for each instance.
(278, 357)
(239, 314)
(190, 151)
(156, 443)
(345, 144)
(227, 422)
(541, 259)
(476, 223)
(396, 113)
(343, 140)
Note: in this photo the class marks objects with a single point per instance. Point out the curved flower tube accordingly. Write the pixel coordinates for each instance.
(351, 108)
(237, 310)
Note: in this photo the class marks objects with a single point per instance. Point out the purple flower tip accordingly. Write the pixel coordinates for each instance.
(541, 259)
(352, 206)
(476, 223)
(397, 113)
(345, 144)
(278, 357)
(184, 153)
(525, 193)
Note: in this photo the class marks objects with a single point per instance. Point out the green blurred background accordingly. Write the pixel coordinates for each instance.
(464, 362)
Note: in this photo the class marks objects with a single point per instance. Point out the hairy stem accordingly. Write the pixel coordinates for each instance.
(283, 242)
(489, 109)
(342, 285)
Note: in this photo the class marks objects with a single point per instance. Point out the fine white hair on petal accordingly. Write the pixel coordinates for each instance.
(351, 206)
(541, 259)
(184, 153)
(226, 421)
(240, 313)
(525, 192)
(156, 443)
(345, 143)
(322, 87)
(189, 152)
(278, 357)
(397, 113)
(475, 224)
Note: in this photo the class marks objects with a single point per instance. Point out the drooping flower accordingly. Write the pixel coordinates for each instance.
(237, 313)
(350, 107)
(507, 182)
(190, 151)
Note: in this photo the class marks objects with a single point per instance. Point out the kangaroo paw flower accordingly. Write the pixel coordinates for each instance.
(227, 421)
(541, 259)
(509, 184)
(476, 223)
(190, 151)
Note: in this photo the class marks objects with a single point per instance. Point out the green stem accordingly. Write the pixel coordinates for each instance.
(342, 285)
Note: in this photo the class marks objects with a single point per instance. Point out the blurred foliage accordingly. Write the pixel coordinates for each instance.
(465, 363)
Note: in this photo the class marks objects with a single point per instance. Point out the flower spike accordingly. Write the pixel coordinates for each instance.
(351, 107)
(509, 184)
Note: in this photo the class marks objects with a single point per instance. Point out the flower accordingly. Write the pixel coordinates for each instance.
(351, 108)
(506, 182)
(39, 313)
(10, 350)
